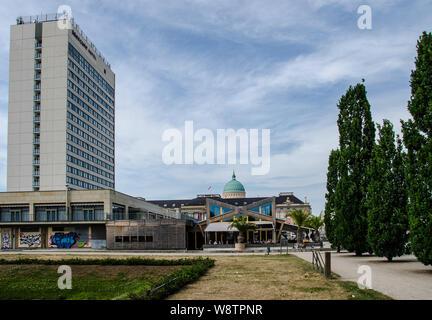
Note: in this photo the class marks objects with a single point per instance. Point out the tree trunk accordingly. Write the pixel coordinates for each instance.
(240, 238)
(299, 235)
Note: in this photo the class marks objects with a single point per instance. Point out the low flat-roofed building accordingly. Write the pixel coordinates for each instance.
(114, 220)
(68, 219)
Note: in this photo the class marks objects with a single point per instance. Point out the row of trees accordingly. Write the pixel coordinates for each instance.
(379, 196)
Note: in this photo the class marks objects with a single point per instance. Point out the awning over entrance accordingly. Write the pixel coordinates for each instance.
(224, 226)
(219, 227)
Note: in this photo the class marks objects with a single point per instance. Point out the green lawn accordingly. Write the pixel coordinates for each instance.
(97, 278)
(88, 282)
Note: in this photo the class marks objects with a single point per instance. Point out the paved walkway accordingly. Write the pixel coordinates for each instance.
(404, 279)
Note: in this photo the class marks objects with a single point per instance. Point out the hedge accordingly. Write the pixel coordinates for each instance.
(107, 261)
(175, 281)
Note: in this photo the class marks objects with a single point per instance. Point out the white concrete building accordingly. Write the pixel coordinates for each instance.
(61, 128)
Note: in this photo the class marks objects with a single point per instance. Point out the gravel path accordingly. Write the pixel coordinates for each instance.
(404, 279)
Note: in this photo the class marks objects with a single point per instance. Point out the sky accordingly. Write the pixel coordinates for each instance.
(280, 65)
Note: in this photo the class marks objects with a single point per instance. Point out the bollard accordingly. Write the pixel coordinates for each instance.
(327, 265)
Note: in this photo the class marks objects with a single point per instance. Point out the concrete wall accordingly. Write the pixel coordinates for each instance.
(105, 197)
(20, 108)
(53, 107)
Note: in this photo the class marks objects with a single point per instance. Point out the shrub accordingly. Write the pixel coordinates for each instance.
(175, 281)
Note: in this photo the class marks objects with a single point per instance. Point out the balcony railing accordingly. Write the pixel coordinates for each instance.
(45, 217)
(36, 129)
(37, 86)
(36, 151)
(38, 66)
(116, 216)
(36, 140)
(80, 216)
(37, 76)
(36, 172)
(36, 161)
(35, 183)
(38, 55)
(36, 118)
(38, 45)
(37, 98)
(21, 217)
(36, 107)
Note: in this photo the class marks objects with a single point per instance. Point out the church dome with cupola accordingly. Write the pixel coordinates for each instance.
(234, 189)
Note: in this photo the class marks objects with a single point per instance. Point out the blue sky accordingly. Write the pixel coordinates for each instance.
(278, 65)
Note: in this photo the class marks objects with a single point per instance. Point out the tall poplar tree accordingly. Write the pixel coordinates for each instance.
(330, 221)
(356, 140)
(417, 136)
(387, 199)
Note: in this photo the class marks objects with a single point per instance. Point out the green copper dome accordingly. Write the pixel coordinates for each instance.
(234, 185)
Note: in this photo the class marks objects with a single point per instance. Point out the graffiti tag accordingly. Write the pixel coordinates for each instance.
(30, 239)
(6, 240)
(64, 240)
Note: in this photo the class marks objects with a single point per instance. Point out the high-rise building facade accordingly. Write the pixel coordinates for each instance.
(61, 128)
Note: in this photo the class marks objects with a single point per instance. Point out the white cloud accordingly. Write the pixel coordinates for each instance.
(252, 64)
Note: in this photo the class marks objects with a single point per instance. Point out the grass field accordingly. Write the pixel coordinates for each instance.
(100, 278)
(89, 282)
(273, 277)
(248, 277)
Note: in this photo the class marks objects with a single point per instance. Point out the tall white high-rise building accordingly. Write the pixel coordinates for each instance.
(61, 128)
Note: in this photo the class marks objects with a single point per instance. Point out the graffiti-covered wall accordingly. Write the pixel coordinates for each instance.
(69, 237)
(6, 239)
(29, 240)
(29, 237)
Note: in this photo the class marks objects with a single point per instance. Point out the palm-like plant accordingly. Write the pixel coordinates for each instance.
(242, 225)
(315, 223)
(300, 218)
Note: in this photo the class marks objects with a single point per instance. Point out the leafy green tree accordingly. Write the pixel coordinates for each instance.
(417, 136)
(330, 221)
(387, 198)
(242, 225)
(300, 218)
(356, 141)
(315, 223)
